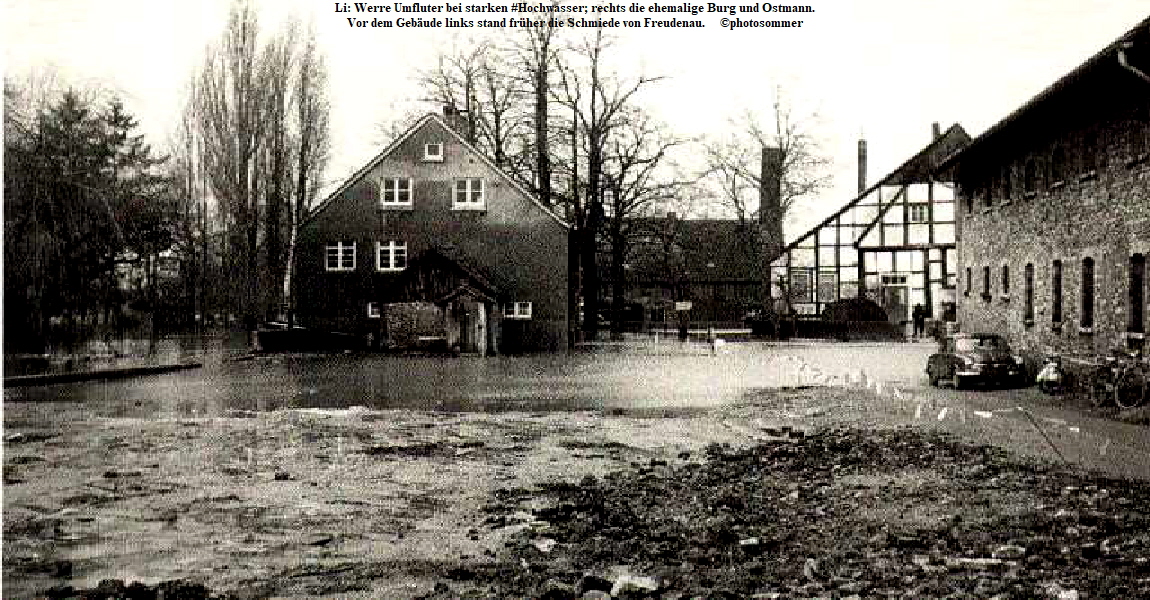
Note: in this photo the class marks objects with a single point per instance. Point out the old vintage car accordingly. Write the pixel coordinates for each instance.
(974, 358)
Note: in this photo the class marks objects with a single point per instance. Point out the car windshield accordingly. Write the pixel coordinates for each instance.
(979, 343)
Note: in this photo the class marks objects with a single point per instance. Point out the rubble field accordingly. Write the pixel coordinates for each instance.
(795, 493)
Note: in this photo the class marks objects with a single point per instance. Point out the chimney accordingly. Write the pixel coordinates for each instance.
(935, 130)
(862, 166)
(457, 120)
(770, 198)
(770, 217)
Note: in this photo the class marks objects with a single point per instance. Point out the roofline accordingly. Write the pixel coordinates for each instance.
(1050, 90)
(883, 209)
(386, 152)
(884, 181)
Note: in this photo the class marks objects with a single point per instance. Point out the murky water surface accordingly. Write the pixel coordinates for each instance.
(655, 378)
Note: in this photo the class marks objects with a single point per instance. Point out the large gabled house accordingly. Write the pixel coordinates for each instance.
(431, 242)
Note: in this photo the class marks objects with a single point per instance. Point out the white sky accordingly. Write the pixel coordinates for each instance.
(884, 68)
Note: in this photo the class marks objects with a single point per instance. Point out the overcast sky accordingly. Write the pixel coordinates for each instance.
(885, 69)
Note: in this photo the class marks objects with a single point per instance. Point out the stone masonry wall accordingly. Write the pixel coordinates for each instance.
(1104, 215)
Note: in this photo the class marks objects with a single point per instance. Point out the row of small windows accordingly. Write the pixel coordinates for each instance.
(510, 310)
(389, 256)
(1136, 292)
(1058, 167)
(397, 192)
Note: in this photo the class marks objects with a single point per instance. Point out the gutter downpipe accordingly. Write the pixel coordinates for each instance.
(1126, 63)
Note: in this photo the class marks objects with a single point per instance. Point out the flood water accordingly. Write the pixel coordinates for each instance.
(670, 376)
(538, 382)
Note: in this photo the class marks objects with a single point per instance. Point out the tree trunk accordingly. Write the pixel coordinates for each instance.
(153, 301)
(618, 284)
(542, 158)
(590, 280)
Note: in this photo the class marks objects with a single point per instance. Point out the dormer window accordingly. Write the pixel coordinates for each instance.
(433, 152)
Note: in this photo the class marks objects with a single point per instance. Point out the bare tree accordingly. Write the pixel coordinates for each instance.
(481, 85)
(312, 129)
(539, 62)
(454, 84)
(229, 111)
(639, 176)
(599, 101)
(496, 89)
(260, 115)
(275, 163)
(740, 172)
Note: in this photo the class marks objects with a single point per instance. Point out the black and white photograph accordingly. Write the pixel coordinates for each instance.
(576, 300)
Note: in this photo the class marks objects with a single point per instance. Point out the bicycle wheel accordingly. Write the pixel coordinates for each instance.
(1099, 387)
(1130, 388)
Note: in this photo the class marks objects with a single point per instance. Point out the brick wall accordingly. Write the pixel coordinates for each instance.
(1101, 213)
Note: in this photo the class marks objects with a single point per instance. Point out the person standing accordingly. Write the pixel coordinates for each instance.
(918, 315)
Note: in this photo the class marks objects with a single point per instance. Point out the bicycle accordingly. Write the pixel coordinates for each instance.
(1123, 380)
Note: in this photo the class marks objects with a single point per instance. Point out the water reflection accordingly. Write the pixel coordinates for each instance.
(531, 383)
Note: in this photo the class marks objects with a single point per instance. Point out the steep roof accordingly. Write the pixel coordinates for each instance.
(920, 168)
(397, 142)
(1135, 44)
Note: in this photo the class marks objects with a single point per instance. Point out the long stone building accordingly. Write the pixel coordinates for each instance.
(1054, 220)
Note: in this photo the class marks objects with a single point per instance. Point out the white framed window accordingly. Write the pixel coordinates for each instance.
(517, 310)
(468, 194)
(390, 256)
(373, 311)
(433, 152)
(917, 213)
(340, 256)
(395, 192)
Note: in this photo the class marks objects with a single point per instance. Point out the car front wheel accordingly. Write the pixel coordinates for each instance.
(957, 382)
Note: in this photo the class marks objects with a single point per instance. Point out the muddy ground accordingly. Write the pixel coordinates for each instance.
(790, 494)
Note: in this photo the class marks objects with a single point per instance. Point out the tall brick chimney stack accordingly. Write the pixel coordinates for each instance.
(935, 131)
(862, 166)
(458, 121)
(770, 216)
